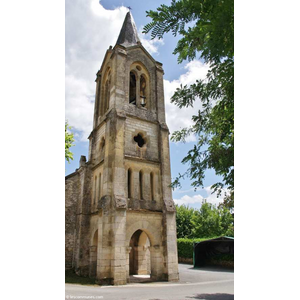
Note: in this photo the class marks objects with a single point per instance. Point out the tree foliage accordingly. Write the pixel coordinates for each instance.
(69, 139)
(206, 222)
(206, 30)
(183, 221)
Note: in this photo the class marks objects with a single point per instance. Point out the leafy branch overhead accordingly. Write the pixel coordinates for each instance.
(206, 28)
(69, 139)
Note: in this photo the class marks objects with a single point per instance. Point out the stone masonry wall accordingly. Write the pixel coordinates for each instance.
(149, 132)
(96, 153)
(149, 201)
(71, 195)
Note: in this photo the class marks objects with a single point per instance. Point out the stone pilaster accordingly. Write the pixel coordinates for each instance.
(171, 247)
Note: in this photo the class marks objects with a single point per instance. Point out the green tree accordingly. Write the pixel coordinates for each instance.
(183, 221)
(227, 221)
(228, 202)
(210, 221)
(69, 139)
(206, 222)
(206, 28)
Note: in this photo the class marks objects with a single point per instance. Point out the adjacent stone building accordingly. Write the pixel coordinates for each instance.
(120, 215)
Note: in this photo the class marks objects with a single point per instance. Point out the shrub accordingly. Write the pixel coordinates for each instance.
(185, 246)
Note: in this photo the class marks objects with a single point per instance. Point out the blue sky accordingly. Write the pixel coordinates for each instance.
(138, 11)
(91, 27)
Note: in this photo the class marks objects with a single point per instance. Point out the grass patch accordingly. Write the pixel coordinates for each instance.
(71, 277)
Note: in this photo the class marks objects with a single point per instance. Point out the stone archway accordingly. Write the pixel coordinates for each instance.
(139, 257)
(145, 251)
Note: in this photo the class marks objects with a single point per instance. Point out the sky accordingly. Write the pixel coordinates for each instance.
(91, 27)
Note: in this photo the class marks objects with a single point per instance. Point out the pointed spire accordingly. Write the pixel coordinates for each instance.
(128, 35)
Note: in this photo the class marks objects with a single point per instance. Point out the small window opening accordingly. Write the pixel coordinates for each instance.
(141, 185)
(102, 144)
(107, 93)
(132, 89)
(95, 191)
(129, 183)
(139, 140)
(99, 188)
(152, 186)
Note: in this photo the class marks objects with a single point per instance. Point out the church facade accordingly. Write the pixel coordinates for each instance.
(120, 215)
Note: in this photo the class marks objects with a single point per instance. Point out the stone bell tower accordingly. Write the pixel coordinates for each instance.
(120, 215)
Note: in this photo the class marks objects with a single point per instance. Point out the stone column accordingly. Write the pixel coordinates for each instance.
(107, 165)
(93, 261)
(97, 99)
(171, 245)
(156, 263)
(119, 204)
(121, 78)
(82, 226)
(170, 237)
(100, 245)
(138, 93)
(142, 260)
(135, 184)
(119, 249)
(147, 186)
(128, 249)
(160, 94)
(166, 168)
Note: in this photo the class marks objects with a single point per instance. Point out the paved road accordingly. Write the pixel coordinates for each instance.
(206, 284)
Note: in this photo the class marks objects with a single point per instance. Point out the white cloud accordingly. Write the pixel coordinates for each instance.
(178, 118)
(197, 199)
(90, 29)
(179, 191)
(212, 198)
(79, 104)
(150, 45)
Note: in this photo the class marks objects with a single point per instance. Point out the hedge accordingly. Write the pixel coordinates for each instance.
(185, 246)
(185, 249)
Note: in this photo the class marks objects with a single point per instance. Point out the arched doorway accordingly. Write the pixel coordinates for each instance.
(139, 257)
(93, 256)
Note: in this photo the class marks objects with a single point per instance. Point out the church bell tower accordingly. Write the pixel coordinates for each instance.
(125, 215)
